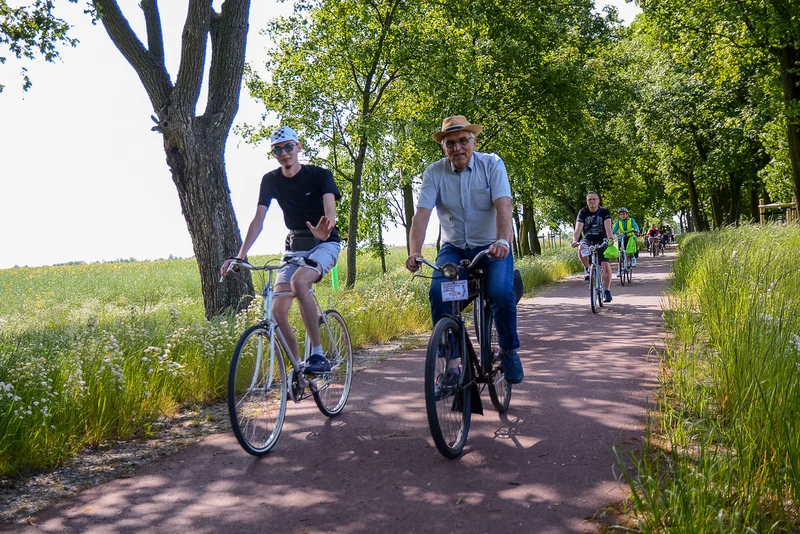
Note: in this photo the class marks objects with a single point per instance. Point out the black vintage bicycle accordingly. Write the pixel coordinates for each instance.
(454, 373)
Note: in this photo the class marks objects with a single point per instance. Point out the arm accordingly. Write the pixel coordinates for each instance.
(419, 224)
(503, 206)
(324, 227)
(616, 226)
(253, 231)
(609, 233)
(577, 235)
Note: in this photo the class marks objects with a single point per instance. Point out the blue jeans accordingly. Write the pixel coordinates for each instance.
(499, 278)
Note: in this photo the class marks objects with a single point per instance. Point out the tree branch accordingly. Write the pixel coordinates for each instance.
(228, 46)
(154, 76)
(155, 35)
(193, 56)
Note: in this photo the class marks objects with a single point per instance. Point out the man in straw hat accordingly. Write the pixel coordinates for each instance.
(472, 196)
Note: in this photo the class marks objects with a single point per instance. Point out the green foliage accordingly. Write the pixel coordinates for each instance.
(724, 454)
(32, 30)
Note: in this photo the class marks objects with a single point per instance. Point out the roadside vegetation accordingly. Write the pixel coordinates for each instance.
(96, 353)
(723, 447)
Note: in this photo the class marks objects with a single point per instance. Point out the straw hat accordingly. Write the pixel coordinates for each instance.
(454, 124)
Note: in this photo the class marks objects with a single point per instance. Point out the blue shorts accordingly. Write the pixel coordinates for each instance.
(325, 254)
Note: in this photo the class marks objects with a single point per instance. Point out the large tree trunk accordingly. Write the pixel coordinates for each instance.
(195, 146)
(790, 78)
(735, 212)
(530, 226)
(198, 170)
(517, 233)
(408, 208)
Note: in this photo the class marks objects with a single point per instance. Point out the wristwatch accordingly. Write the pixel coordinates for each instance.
(504, 243)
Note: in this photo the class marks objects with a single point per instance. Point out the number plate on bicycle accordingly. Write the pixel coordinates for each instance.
(586, 252)
(455, 290)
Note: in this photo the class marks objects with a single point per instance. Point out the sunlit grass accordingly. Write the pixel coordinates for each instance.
(99, 352)
(723, 452)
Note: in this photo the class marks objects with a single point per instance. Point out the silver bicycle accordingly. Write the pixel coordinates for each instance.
(596, 288)
(259, 386)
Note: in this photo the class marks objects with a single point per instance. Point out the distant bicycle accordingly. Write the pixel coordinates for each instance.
(596, 288)
(258, 385)
(624, 268)
(453, 370)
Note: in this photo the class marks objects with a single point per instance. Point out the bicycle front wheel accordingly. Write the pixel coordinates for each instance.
(333, 388)
(447, 389)
(257, 391)
(499, 389)
(621, 266)
(593, 286)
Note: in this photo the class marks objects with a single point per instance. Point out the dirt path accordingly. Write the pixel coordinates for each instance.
(547, 466)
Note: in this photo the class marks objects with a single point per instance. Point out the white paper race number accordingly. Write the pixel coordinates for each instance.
(586, 252)
(455, 290)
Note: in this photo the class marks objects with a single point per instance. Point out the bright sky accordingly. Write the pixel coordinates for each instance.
(82, 176)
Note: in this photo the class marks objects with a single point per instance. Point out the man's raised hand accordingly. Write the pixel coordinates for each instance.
(323, 229)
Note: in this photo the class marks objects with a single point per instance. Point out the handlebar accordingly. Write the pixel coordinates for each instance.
(466, 264)
(287, 258)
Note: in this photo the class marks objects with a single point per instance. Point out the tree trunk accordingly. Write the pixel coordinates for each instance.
(735, 212)
(516, 244)
(381, 248)
(697, 216)
(355, 205)
(717, 216)
(524, 239)
(790, 78)
(533, 233)
(198, 170)
(408, 207)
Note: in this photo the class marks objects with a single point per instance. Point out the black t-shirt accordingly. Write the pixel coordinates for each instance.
(593, 223)
(300, 197)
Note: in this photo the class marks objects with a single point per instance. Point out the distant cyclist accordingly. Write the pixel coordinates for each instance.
(628, 228)
(594, 221)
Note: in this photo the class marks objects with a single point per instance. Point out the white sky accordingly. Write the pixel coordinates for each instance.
(82, 176)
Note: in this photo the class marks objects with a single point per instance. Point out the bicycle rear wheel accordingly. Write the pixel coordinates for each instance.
(447, 400)
(333, 388)
(257, 391)
(499, 389)
(630, 274)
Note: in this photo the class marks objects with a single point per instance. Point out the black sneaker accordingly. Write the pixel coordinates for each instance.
(512, 367)
(586, 274)
(607, 297)
(317, 364)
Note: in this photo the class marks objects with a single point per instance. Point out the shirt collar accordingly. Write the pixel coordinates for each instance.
(467, 168)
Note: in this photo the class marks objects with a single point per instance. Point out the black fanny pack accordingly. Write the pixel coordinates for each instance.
(301, 240)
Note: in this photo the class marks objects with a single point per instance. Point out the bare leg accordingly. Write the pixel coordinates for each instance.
(606, 275)
(280, 310)
(302, 280)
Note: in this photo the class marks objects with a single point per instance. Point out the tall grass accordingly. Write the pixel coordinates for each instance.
(91, 353)
(723, 453)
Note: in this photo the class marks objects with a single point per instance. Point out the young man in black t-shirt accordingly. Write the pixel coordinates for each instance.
(306, 194)
(595, 223)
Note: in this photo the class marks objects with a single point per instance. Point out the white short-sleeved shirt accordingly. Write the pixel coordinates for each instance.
(465, 199)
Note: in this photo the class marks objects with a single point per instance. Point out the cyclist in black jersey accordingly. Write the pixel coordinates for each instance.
(594, 222)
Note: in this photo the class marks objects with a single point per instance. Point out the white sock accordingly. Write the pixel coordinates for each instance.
(316, 349)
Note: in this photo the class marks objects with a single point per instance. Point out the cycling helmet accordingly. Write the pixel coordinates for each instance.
(622, 210)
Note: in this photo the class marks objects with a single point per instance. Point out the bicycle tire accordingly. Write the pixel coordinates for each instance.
(593, 286)
(630, 274)
(449, 416)
(621, 268)
(257, 393)
(499, 389)
(334, 387)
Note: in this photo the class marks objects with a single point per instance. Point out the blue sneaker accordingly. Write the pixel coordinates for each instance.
(317, 364)
(446, 384)
(607, 297)
(512, 367)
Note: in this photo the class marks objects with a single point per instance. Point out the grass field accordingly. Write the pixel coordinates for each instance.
(723, 448)
(99, 352)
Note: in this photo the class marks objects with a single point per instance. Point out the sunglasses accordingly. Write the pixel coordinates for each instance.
(450, 143)
(285, 148)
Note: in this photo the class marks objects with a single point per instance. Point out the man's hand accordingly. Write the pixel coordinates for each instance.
(574, 244)
(498, 250)
(413, 263)
(323, 229)
(223, 271)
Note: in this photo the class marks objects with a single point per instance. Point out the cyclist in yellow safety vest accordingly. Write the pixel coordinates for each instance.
(628, 227)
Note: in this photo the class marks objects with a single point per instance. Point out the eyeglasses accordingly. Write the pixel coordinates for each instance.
(278, 149)
(592, 200)
(450, 143)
